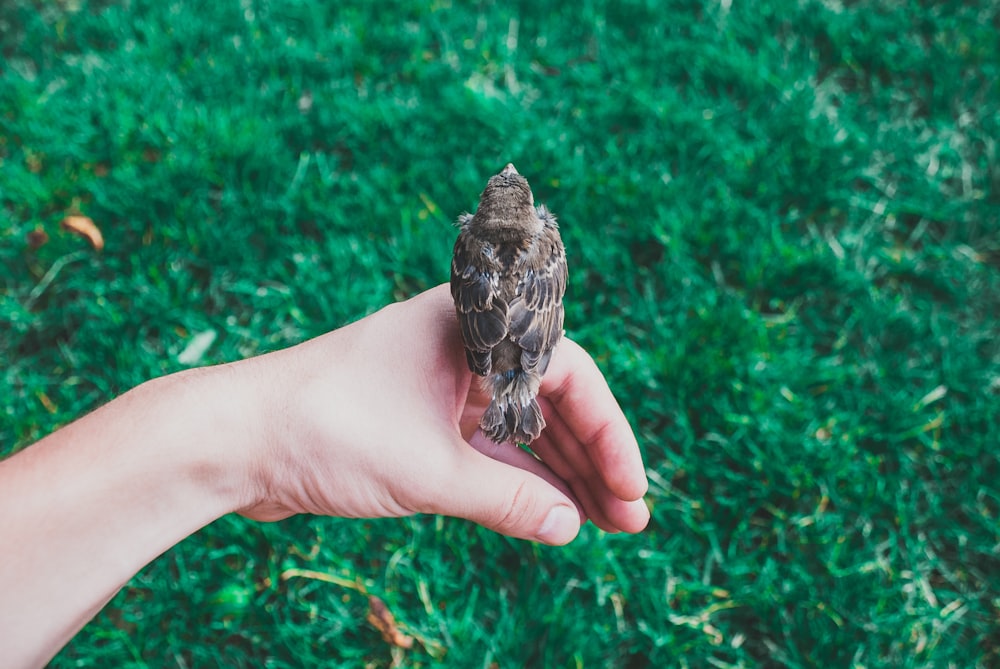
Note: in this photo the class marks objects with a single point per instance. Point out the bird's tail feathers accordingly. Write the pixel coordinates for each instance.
(513, 414)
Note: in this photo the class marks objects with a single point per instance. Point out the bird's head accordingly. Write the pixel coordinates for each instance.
(506, 198)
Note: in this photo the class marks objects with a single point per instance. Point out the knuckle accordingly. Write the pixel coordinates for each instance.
(516, 510)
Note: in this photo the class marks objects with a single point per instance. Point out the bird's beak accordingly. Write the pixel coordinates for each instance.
(510, 169)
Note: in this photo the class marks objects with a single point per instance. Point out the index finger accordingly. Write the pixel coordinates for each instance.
(578, 391)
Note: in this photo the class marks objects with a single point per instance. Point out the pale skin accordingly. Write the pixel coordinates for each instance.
(376, 419)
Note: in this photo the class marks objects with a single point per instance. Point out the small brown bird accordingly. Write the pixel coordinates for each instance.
(508, 277)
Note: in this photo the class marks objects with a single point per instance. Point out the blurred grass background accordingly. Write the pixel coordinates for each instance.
(783, 224)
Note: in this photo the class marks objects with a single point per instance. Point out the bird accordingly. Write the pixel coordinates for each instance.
(508, 279)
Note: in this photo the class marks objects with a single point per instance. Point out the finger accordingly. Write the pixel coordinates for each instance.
(580, 395)
(582, 492)
(564, 452)
(621, 515)
(559, 449)
(511, 500)
(509, 454)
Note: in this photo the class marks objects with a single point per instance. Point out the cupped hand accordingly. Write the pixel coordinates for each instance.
(380, 418)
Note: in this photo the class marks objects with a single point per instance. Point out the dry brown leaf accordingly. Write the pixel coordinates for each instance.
(37, 238)
(381, 618)
(85, 227)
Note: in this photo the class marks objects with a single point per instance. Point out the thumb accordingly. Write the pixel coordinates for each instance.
(510, 500)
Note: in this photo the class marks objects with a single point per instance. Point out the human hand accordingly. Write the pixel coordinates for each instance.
(380, 418)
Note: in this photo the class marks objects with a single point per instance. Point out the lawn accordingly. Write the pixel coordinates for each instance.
(783, 227)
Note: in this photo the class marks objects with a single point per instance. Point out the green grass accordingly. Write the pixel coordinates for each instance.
(783, 224)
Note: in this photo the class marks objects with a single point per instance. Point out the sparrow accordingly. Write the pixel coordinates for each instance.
(508, 277)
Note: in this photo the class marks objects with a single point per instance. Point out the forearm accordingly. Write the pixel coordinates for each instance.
(84, 509)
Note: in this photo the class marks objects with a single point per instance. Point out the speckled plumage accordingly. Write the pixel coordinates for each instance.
(508, 277)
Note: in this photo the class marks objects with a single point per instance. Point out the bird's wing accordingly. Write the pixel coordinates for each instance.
(536, 314)
(475, 288)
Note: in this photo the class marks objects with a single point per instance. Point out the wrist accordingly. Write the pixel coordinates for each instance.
(219, 445)
(284, 429)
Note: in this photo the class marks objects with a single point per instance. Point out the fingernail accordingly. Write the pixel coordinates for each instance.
(560, 526)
